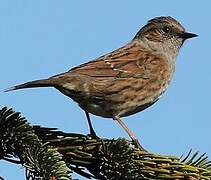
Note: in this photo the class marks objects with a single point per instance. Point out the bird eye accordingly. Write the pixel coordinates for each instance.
(166, 29)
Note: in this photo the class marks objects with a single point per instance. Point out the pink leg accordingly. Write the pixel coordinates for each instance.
(129, 132)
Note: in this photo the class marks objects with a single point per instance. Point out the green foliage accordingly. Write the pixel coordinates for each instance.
(47, 153)
(18, 140)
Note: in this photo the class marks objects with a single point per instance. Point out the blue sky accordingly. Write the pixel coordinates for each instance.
(41, 38)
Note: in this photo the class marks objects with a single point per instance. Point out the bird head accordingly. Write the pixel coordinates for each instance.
(164, 34)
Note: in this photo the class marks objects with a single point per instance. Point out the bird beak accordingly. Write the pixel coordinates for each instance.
(187, 35)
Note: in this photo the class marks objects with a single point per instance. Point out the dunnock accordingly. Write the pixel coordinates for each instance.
(127, 80)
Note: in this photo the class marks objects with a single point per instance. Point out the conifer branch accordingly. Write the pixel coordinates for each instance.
(47, 153)
(18, 141)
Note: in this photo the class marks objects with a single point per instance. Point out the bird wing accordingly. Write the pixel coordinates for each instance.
(125, 71)
(127, 61)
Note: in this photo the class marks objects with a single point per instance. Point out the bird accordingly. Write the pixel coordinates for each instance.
(127, 80)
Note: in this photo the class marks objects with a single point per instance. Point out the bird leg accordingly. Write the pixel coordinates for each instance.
(91, 129)
(129, 132)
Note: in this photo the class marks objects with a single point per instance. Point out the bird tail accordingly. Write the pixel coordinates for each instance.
(31, 84)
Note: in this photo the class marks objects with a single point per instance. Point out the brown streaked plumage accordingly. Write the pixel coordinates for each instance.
(127, 80)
